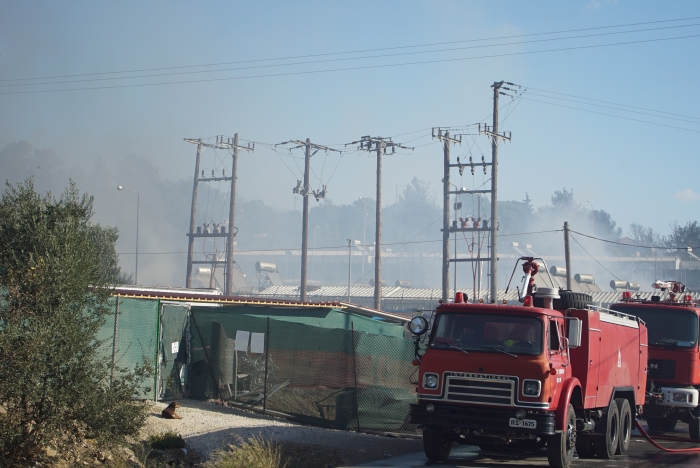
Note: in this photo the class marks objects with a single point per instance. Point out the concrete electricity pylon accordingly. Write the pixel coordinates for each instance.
(232, 145)
(447, 140)
(492, 132)
(380, 145)
(305, 191)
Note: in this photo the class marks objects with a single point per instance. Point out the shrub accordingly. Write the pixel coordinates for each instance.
(254, 453)
(165, 441)
(55, 271)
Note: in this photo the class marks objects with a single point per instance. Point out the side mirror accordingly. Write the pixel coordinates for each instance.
(574, 337)
(418, 325)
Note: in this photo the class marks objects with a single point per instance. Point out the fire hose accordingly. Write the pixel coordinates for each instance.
(665, 449)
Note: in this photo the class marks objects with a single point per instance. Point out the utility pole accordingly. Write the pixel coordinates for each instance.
(349, 265)
(567, 255)
(380, 145)
(446, 212)
(193, 211)
(495, 136)
(304, 192)
(232, 210)
(232, 145)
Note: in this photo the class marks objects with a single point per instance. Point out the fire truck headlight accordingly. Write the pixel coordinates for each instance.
(430, 381)
(532, 388)
(679, 397)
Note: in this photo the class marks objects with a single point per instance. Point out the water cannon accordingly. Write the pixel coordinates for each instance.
(674, 288)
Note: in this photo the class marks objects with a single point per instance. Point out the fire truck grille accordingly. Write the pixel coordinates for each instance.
(662, 369)
(480, 391)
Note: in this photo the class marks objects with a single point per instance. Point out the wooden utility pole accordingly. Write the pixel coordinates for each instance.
(380, 145)
(567, 255)
(232, 145)
(446, 213)
(304, 192)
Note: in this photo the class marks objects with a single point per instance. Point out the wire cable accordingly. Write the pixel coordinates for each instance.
(365, 67)
(595, 259)
(352, 52)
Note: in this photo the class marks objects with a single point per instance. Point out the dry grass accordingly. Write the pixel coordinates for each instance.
(254, 453)
(259, 453)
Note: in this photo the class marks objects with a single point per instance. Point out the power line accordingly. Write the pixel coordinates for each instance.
(595, 259)
(613, 115)
(352, 52)
(311, 62)
(345, 246)
(609, 102)
(619, 109)
(633, 245)
(365, 67)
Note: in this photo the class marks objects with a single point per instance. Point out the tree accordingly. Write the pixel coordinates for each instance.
(564, 199)
(684, 236)
(55, 272)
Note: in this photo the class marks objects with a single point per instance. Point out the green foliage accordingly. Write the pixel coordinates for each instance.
(166, 440)
(54, 285)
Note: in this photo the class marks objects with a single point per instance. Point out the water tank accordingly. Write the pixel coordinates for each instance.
(557, 271)
(403, 284)
(203, 271)
(617, 284)
(371, 282)
(264, 266)
(634, 286)
(584, 278)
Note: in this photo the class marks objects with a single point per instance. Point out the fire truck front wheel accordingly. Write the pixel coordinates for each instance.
(560, 446)
(694, 426)
(436, 444)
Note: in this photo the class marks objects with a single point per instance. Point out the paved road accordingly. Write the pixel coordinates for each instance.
(641, 454)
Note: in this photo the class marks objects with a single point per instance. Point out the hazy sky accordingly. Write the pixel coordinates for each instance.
(639, 172)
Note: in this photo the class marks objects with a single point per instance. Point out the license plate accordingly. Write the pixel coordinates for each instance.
(526, 423)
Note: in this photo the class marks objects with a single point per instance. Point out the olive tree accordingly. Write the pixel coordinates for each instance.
(56, 267)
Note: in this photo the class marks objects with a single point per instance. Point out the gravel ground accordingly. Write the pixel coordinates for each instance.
(207, 427)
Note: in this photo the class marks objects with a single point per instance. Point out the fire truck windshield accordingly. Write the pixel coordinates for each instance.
(671, 326)
(488, 333)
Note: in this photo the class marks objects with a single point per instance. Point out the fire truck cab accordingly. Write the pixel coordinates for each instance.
(673, 385)
(564, 375)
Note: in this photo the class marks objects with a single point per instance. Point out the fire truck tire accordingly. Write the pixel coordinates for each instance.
(567, 300)
(437, 445)
(606, 446)
(626, 425)
(560, 446)
(694, 427)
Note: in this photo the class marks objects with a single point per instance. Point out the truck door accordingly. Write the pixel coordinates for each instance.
(558, 356)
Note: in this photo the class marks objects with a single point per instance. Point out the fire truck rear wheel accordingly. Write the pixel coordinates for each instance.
(623, 444)
(437, 445)
(606, 446)
(560, 446)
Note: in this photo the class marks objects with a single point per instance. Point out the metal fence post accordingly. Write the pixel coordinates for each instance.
(267, 356)
(114, 340)
(354, 360)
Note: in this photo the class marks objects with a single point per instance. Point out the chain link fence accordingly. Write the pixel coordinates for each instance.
(129, 338)
(336, 378)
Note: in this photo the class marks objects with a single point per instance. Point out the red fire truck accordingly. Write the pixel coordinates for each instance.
(552, 371)
(674, 359)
